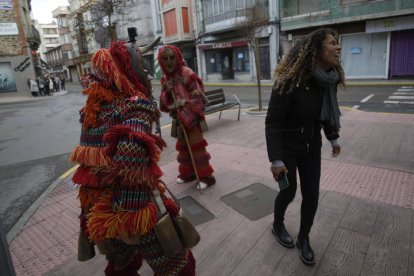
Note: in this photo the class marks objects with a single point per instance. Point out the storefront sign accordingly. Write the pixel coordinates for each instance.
(8, 29)
(6, 4)
(223, 45)
(390, 24)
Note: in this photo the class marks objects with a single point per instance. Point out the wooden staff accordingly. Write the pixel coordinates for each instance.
(187, 142)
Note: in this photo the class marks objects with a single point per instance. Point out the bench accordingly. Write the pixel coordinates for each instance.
(217, 102)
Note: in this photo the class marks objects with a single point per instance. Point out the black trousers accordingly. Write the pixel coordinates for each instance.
(309, 168)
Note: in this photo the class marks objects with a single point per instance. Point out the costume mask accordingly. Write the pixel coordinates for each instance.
(169, 60)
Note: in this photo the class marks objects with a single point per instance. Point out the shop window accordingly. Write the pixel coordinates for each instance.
(241, 59)
(354, 2)
(213, 60)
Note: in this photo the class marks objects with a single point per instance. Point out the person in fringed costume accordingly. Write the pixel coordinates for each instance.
(118, 170)
(182, 96)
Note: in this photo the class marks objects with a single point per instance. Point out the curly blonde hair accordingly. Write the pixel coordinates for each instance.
(298, 66)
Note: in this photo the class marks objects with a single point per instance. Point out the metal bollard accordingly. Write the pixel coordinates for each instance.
(6, 264)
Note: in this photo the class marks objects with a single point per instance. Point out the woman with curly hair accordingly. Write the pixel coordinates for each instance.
(303, 100)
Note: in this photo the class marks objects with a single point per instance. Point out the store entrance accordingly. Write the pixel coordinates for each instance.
(227, 64)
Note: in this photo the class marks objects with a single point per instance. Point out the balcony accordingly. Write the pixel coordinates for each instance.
(33, 39)
(229, 20)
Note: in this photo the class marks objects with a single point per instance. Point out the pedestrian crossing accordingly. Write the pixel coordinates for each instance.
(403, 95)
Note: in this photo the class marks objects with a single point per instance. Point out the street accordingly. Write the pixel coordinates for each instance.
(37, 137)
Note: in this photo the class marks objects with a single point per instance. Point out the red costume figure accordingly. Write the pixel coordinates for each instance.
(118, 174)
(182, 96)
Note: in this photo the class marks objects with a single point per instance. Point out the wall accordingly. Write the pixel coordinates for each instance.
(14, 50)
(323, 12)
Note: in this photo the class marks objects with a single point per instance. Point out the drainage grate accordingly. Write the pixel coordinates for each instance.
(254, 201)
(195, 212)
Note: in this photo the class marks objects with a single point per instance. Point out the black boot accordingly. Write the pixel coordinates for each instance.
(282, 235)
(305, 251)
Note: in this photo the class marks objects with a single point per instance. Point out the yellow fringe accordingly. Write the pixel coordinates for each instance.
(105, 223)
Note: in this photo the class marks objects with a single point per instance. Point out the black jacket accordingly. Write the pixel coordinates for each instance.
(292, 122)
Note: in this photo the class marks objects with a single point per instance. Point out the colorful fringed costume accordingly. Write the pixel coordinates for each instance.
(188, 89)
(118, 170)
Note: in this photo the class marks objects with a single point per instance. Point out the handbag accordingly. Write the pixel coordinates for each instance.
(174, 126)
(164, 229)
(186, 231)
(86, 248)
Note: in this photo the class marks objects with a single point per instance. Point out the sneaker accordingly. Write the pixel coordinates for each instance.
(202, 186)
(179, 180)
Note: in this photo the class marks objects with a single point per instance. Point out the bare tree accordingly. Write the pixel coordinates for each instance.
(103, 19)
(249, 27)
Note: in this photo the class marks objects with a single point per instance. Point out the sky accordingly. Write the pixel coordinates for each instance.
(42, 9)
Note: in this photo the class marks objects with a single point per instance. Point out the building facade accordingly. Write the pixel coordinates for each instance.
(62, 55)
(222, 51)
(19, 41)
(143, 15)
(377, 37)
(177, 21)
(82, 38)
(49, 37)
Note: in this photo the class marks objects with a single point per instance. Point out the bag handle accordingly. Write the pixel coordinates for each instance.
(159, 203)
(158, 200)
(172, 196)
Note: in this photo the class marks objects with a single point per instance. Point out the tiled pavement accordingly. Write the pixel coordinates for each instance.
(363, 225)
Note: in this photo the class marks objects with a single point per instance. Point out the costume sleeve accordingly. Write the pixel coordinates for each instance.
(197, 101)
(277, 113)
(165, 98)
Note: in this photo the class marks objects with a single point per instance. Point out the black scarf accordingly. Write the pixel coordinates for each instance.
(328, 81)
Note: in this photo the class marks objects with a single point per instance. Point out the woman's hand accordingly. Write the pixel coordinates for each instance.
(278, 171)
(336, 150)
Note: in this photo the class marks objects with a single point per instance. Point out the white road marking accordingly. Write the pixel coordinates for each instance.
(405, 89)
(355, 107)
(401, 93)
(367, 98)
(397, 102)
(401, 97)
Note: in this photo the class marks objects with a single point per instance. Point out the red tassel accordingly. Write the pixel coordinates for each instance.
(183, 147)
(113, 136)
(160, 142)
(171, 207)
(83, 176)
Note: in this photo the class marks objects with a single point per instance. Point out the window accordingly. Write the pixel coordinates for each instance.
(241, 59)
(213, 60)
(240, 4)
(353, 2)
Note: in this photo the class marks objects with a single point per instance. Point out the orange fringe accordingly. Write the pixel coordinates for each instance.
(97, 95)
(104, 223)
(90, 156)
(103, 60)
(89, 197)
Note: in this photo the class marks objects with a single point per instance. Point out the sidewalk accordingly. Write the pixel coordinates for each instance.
(364, 224)
(7, 99)
(29, 98)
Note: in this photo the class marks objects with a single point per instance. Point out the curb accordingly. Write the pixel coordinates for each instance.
(13, 100)
(19, 225)
(349, 83)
